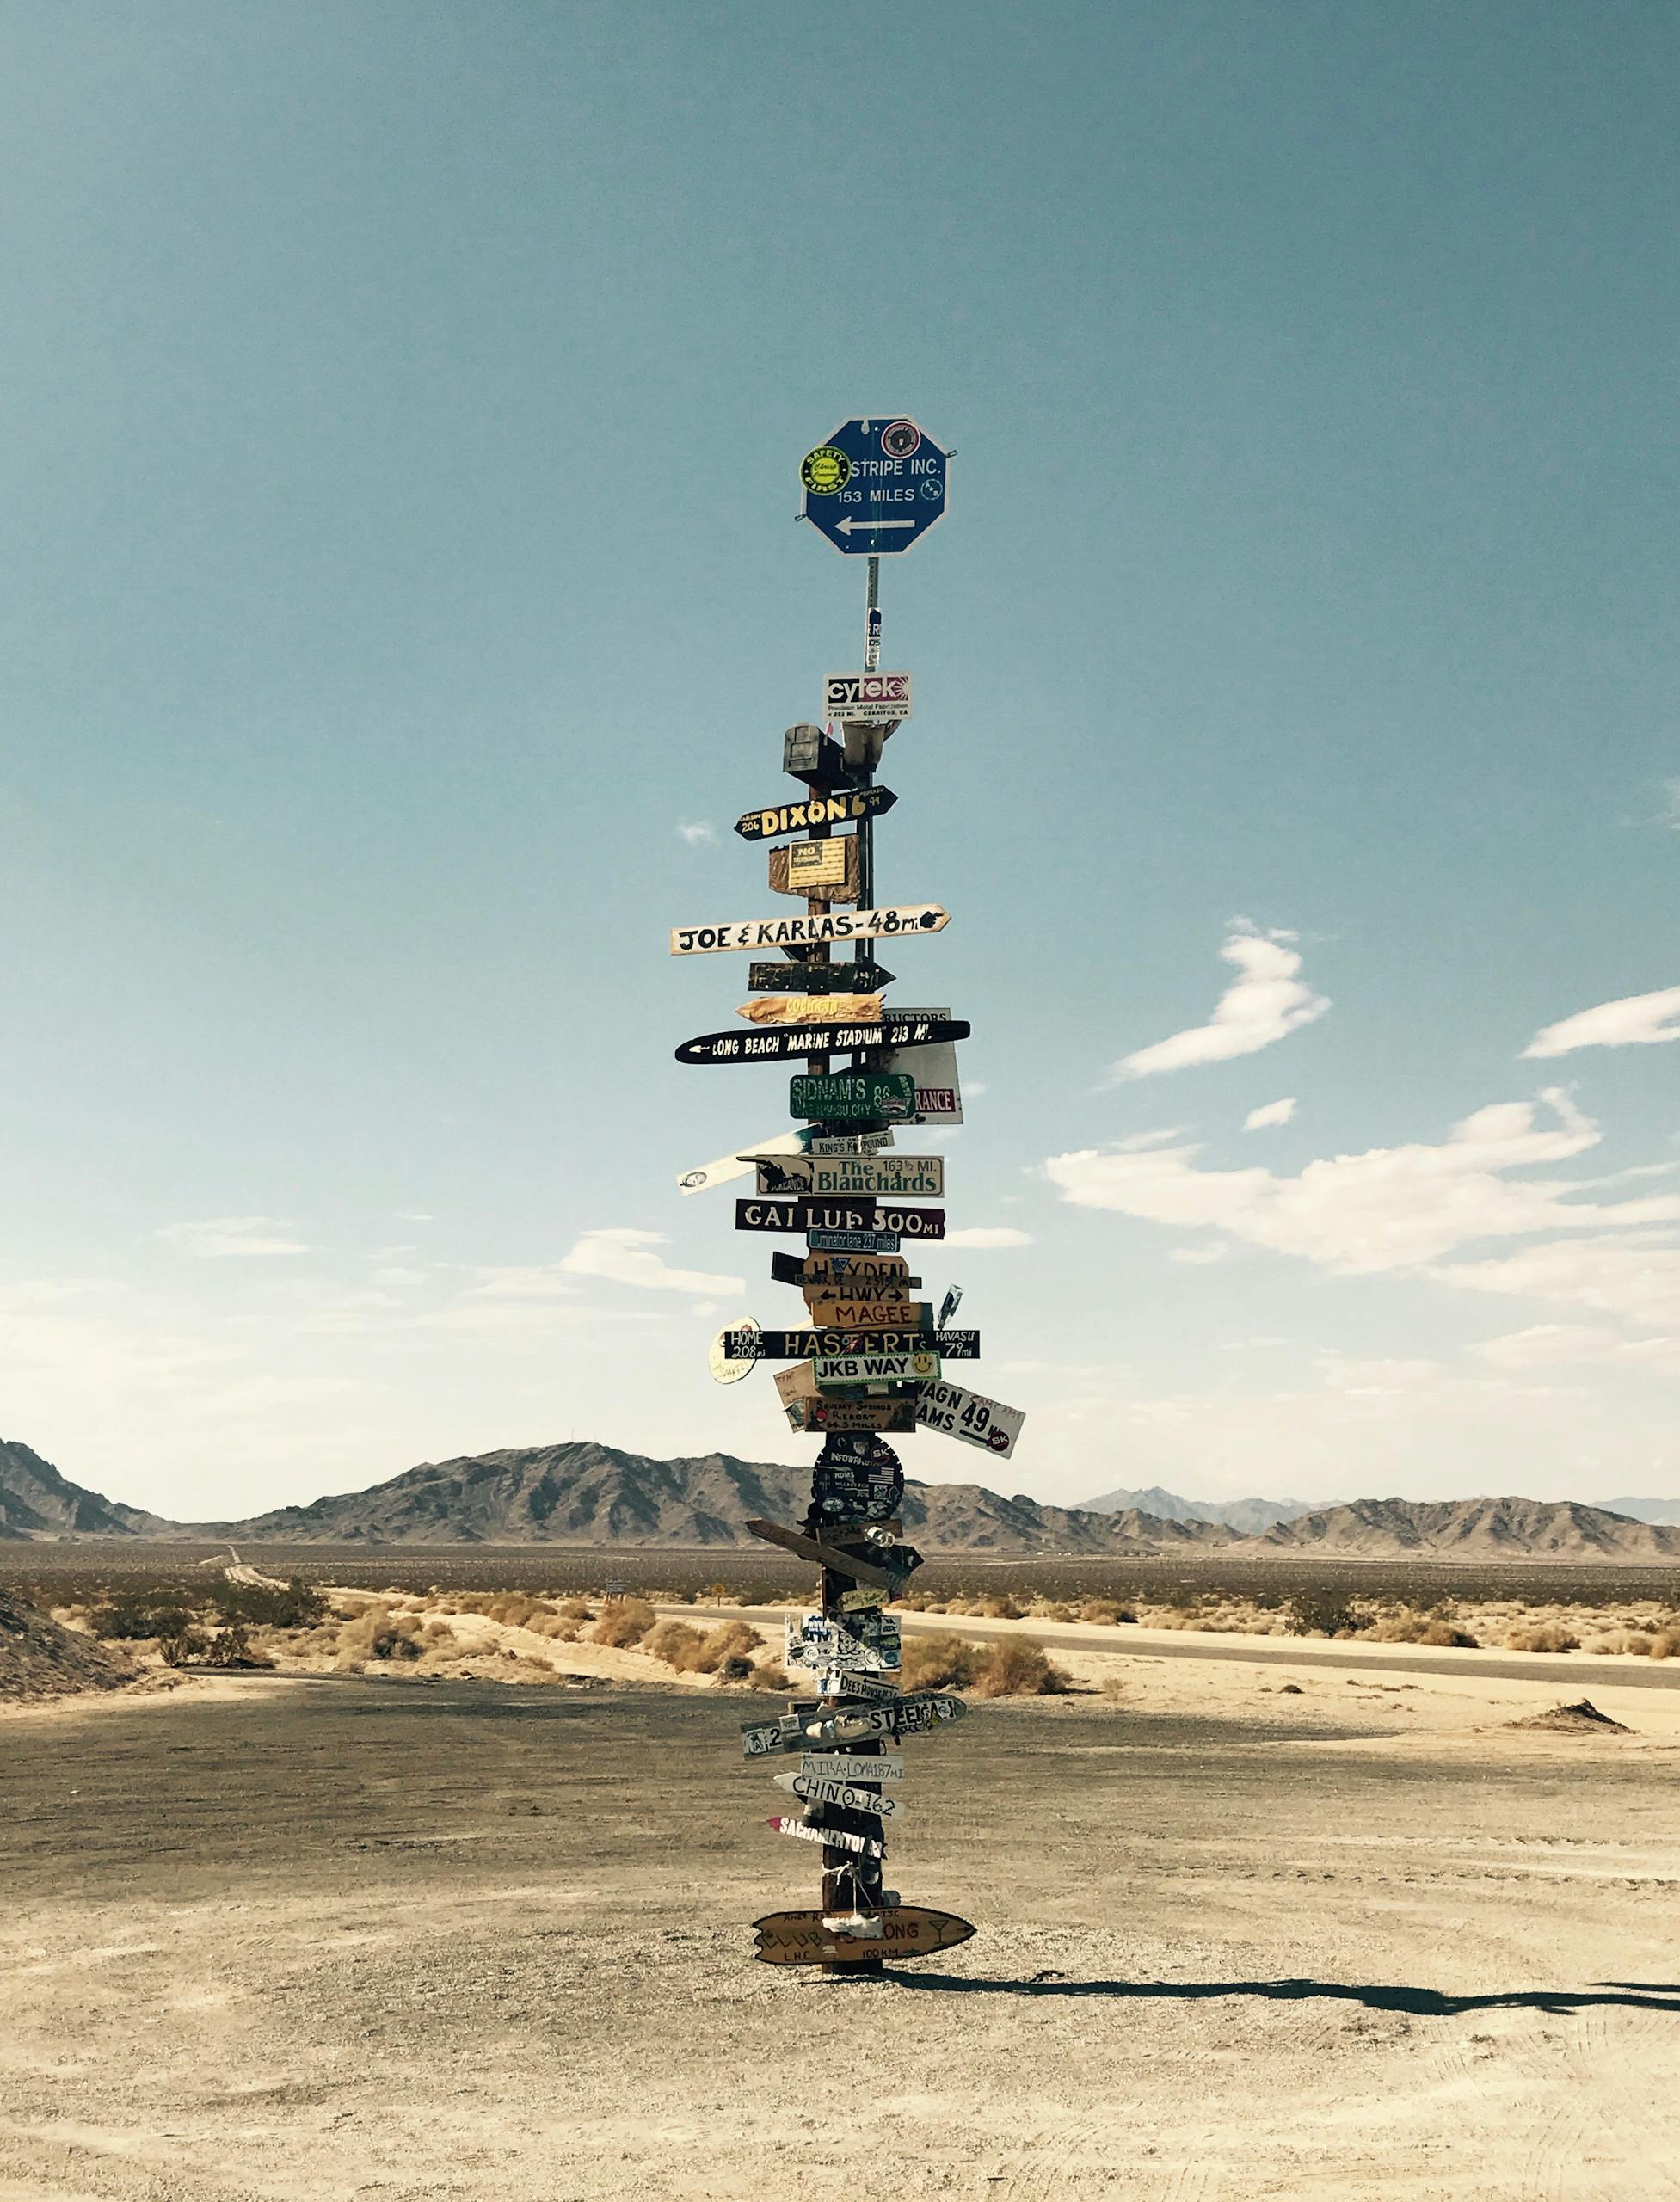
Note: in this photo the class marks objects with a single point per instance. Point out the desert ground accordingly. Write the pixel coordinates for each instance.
(1244, 1930)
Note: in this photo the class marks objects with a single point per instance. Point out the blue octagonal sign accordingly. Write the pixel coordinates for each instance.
(876, 487)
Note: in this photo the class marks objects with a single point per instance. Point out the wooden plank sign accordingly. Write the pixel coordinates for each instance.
(910, 1931)
(891, 1176)
(824, 1296)
(918, 1713)
(827, 870)
(801, 1215)
(812, 931)
(779, 1043)
(869, 1314)
(814, 1343)
(842, 807)
(895, 1416)
(798, 1382)
(882, 1562)
(816, 1008)
(837, 1838)
(842, 1766)
(810, 1789)
(965, 1415)
(848, 1270)
(807, 978)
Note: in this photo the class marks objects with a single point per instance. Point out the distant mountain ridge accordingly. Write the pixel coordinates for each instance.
(1470, 1529)
(588, 1495)
(1249, 1515)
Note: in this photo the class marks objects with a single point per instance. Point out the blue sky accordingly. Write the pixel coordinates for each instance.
(405, 405)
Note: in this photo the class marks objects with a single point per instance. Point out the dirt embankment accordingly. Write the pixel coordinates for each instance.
(38, 1659)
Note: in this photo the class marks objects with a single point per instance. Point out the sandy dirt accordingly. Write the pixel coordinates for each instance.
(288, 1939)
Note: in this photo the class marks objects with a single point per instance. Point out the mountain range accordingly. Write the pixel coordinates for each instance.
(584, 1494)
(1249, 1516)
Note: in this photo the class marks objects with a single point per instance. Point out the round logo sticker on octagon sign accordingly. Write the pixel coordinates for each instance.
(825, 471)
(901, 439)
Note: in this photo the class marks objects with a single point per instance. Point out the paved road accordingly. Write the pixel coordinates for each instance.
(1567, 1670)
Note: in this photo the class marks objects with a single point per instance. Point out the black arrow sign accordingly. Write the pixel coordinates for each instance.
(840, 809)
(778, 1042)
(816, 978)
(814, 1342)
(810, 1212)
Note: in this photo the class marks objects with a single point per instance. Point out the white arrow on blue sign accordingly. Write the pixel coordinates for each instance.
(876, 487)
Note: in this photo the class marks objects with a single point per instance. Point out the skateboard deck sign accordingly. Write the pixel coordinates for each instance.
(908, 1931)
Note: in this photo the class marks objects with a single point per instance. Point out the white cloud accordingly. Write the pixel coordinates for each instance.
(1197, 1257)
(1265, 1004)
(1366, 1378)
(1641, 1020)
(221, 1235)
(1140, 1142)
(1390, 1208)
(413, 1215)
(1670, 817)
(696, 831)
(1547, 1345)
(521, 1282)
(623, 1256)
(1275, 1112)
(979, 1236)
(1636, 1277)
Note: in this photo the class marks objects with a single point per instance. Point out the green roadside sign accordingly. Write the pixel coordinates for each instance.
(848, 1096)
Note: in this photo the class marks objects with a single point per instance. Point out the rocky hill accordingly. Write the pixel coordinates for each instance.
(1470, 1528)
(590, 1494)
(39, 1659)
(1249, 1515)
(36, 1501)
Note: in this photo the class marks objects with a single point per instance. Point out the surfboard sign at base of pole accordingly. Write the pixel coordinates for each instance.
(910, 1931)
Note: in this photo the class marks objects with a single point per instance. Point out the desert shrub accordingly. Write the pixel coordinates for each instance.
(769, 1674)
(232, 1647)
(377, 1634)
(1321, 1612)
(1052, 1611)
(735, 1669)
(575, 1609)
(1105, 1612)
(264, 1605)
(999, 1609)
(672, 1642)
(1019, 1668)
(1447, 1632)
(625, 1620)
(733, 1640)
(943, 1661)
(130, 1620)
(1543, 1636)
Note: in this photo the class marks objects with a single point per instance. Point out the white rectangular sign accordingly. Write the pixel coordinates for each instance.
(735, 1165)
(986, 1422)
(842, 1766)
(938, 1090)
(866, 698)
(809, 932)
(850, 1143)
(892, 1177)
(877, 1369)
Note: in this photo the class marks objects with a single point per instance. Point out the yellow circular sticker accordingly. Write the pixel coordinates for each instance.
(825, 471)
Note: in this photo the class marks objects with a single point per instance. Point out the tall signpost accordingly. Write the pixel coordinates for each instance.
(868, 1356)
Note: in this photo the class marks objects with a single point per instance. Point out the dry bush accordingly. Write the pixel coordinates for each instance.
(262, 1605)
(1003, 1609)
(1018, 1667)
(1542, 1636)
(625, 1620)
(731, 1641)
(944, 1662)
(575, 1609)
(769, 1674)
(1322, 1611)
(1448, 1633)
(377, 1634)
(1105, 1612)
(735, 1669)
(673, 1642)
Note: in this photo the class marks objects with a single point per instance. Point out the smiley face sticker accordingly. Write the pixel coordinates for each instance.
(825, 471)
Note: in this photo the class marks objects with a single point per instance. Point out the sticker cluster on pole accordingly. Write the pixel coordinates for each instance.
(866, 1361)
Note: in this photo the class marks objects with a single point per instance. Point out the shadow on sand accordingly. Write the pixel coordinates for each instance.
(1374, 1996)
